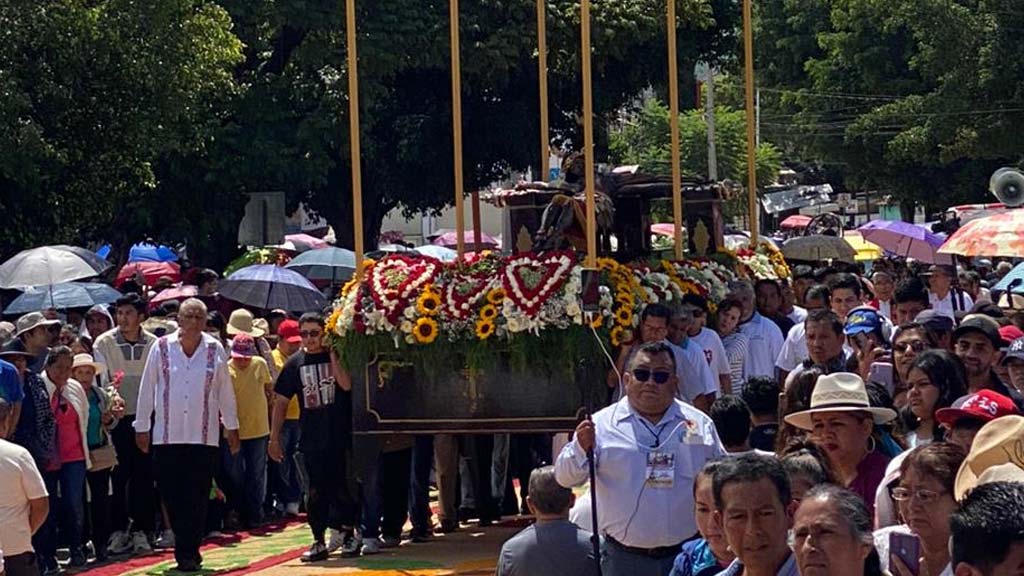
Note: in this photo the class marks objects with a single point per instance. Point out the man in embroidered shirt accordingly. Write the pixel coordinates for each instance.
(648, 447)
(186, 386)
(123, 351)
(753, 497)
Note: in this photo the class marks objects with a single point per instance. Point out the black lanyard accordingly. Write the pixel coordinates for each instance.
(657, 435)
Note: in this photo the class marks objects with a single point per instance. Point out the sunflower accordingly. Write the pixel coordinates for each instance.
(425, 330)
(428, 303)
(624, 316)
(616, 335)
(624, 298)
(496, 296)
(349, 286)
(484, 329)
(332, 320)
(597, 321)
(488, 312)
(606, 264)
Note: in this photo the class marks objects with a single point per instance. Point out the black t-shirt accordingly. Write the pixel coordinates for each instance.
(325, 410)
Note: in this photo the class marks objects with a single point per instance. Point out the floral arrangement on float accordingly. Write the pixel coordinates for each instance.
(764, 261)
(523, 309)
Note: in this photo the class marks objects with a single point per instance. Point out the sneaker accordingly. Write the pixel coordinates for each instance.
(317, 553)
(448, 526)
(77, 558)
(335, 541)
(119, 543)
(215, 534)
(352, 544)
(166, 540)
(390, 542)
(421, 536)
(140, 544)
(292, 509)
(370, 546)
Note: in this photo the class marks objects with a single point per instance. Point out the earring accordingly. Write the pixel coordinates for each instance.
(872, 444)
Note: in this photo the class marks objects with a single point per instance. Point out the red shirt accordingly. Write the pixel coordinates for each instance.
(69, 435)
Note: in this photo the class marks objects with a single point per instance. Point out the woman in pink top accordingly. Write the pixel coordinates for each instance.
(68, 467)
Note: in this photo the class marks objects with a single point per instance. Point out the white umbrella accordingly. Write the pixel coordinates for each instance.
(49, 265)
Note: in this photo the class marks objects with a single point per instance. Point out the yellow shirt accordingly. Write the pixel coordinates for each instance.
(293, 404)
(251, 384)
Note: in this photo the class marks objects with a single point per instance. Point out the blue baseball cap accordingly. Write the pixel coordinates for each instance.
(862, 320)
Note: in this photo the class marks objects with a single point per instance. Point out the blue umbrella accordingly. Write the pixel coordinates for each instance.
(267, 286)
(62, 297)
(334, 264)
(1013, 281)
(144, 252)
(440, 252)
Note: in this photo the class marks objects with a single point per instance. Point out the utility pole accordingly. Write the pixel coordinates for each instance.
(709, 118)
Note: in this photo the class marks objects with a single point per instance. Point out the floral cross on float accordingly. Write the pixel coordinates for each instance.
(489, 303)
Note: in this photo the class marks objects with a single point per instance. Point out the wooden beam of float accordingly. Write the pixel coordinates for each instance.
(353, 131)
(748, 69)
(542, 76)
(588, 133)
(460, 226)
(673, 123)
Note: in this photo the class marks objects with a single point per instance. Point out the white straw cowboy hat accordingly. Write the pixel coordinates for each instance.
(86, 360)
(839, 392)
(242, 322)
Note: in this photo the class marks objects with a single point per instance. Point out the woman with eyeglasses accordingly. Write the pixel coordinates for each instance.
(935, 380)
(910, 340)
(66, 472)
(926, 502)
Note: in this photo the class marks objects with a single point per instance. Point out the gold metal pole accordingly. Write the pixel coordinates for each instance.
(353, 131)
(588, 133)
(748, 65)
(542, 75)
(673, 125)
(460, 226)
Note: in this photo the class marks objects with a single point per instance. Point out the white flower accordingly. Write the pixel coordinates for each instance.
(407, 326)
(409, 312)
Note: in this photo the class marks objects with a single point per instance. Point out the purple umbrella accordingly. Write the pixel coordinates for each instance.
(904, 239)
(267, 286)
(449, 238)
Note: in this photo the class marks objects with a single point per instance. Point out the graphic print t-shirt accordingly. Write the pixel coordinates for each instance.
(325, 417)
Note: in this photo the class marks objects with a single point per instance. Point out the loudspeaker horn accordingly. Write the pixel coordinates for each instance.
(1007, 185)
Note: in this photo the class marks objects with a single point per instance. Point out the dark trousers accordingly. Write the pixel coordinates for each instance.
(134, 496)
(99, 508)
(283, 477)
(67, 513)
(330, 501)
(477, 480)
(23, 564)
(419, 487)
(185, 475)
(247, 472)
(385, 494)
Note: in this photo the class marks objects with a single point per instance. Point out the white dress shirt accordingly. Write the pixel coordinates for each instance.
(798, 315)
(763, 346)
(947, 306)
(189, 395)
(629, 510)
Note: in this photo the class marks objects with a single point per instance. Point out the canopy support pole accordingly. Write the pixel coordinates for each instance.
(748, 73)
(673, 123)
(588, 133)
(542, 76)
(353, 131)
(460, 225)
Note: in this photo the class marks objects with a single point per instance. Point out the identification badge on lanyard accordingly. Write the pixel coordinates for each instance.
(661, 469)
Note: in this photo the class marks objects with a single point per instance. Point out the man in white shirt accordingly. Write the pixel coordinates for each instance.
(885, 286)
(795, 313)
(944, 297)
(24, 502)
(709, 342)
(183, 427)
(648, 448)
(765, 338)
(844, 294)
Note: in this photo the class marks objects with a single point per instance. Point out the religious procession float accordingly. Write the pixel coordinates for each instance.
(497, 342)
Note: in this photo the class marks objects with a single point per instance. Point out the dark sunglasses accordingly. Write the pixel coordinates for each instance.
(643, 375)
(53, 328)
(310, 333)
(915, 345)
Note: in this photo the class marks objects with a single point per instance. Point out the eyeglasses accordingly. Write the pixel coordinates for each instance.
(644, 375)
(902, 494)
(917, 346)
(310, 333)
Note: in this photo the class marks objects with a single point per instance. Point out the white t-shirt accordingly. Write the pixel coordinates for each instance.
(794, 349)
(21, 482)
(946, 306)
(714, 351)
(798, 315)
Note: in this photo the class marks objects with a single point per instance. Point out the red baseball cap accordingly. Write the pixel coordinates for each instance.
(289, 331)
(985, 405)
(1010, 333)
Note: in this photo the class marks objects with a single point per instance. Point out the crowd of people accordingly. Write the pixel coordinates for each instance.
(832, 423)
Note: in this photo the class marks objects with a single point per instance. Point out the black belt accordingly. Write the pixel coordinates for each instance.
(659, 552)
